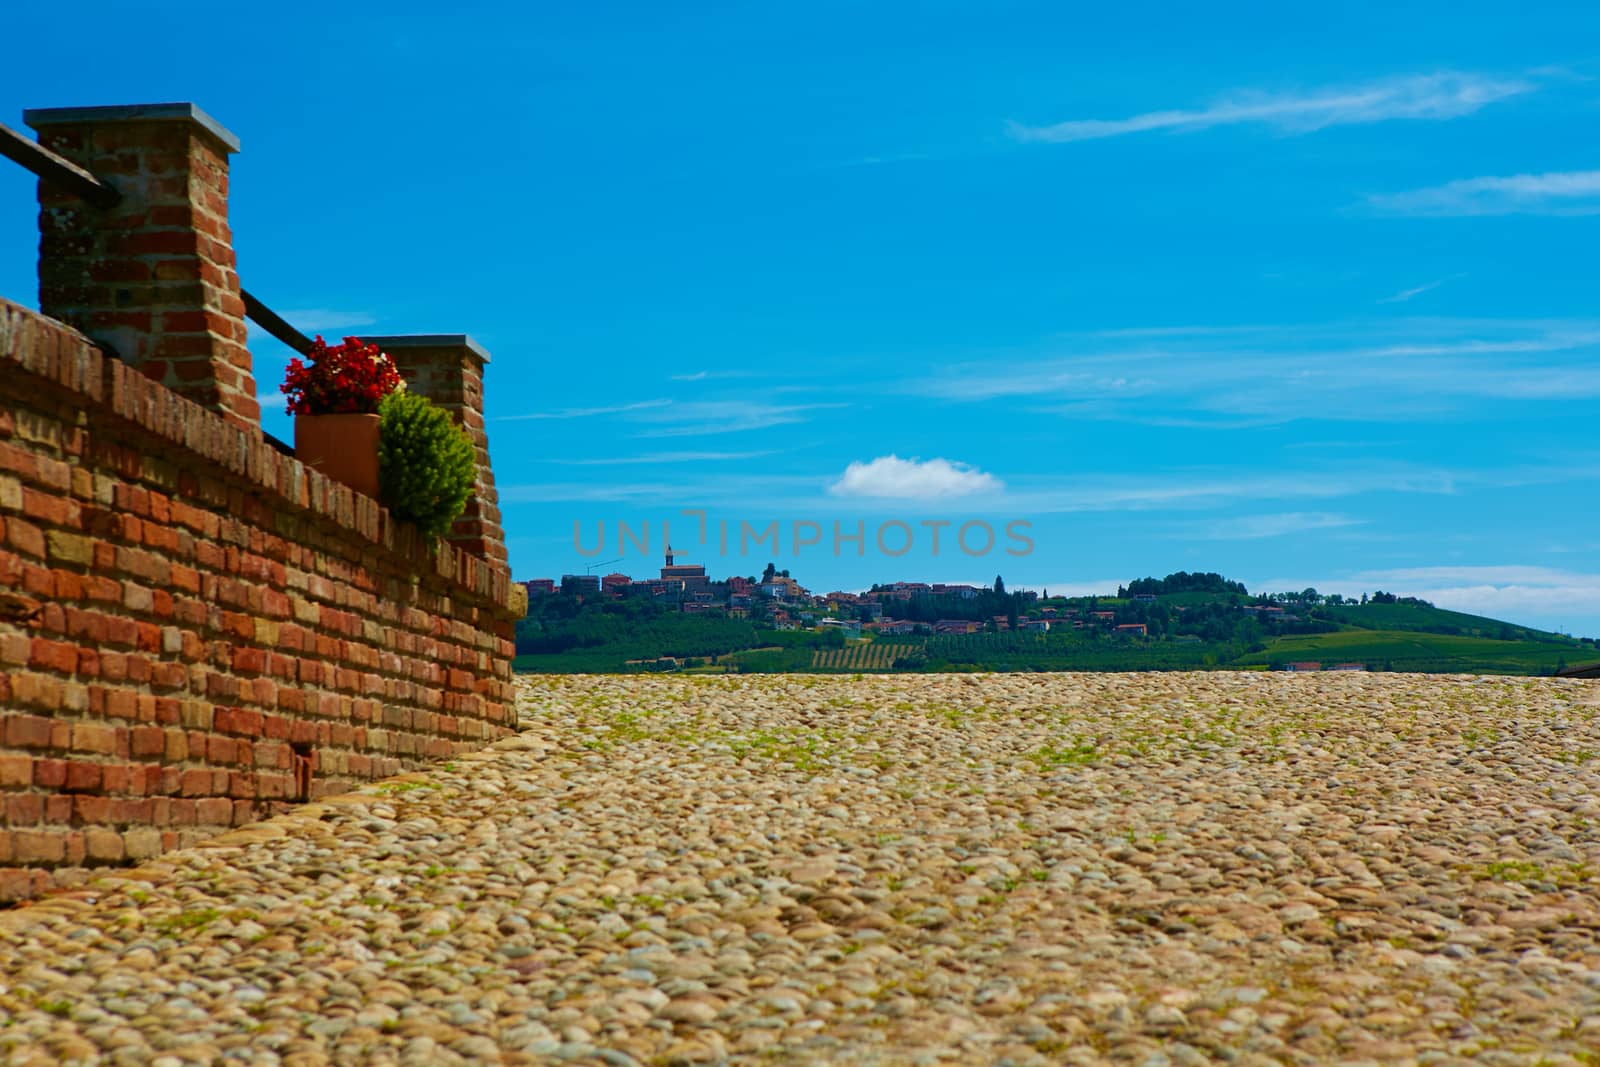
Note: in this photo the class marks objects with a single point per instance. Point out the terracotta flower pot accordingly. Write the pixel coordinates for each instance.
(344, 447)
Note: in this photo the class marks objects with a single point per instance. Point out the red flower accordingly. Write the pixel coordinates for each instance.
(350, 378)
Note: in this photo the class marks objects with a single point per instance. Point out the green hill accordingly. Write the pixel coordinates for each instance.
(1411, 650)
(1426, 618)
(1196, 621)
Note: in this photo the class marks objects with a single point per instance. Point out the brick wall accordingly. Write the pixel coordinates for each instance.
(196, 629)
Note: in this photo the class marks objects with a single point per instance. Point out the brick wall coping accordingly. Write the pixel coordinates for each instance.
(48, 116)
(57, 353)
(430, 340)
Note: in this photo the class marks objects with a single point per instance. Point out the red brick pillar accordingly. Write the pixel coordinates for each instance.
(448, 369)
(152, 277)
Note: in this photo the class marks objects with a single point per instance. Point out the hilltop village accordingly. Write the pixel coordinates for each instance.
(681, 618)
(779, 601)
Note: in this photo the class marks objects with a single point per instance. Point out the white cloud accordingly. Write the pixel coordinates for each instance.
(1446, 95)
(271, 400)
(891, 477)
(1556, 193)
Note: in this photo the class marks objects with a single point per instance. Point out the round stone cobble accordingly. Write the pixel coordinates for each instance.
(1024, 869)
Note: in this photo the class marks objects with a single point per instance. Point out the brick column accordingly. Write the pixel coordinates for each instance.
(448, 369)
(151, 278)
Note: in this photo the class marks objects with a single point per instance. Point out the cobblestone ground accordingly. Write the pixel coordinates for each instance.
(1144, 869)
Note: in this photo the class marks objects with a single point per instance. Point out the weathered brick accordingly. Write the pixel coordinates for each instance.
(69, 548)
(83, 777)
(48, 655)
(16, 771)
(24, 809)
(38, 846)
(36, 691)
(93, 809)
(137, 597)
(10, 492)
(147, 741)
(142, 844)
(14, 649)
(103, 844)
(92, 737)
(195, 783)
(177, 745)
(50, 773)
(214, 811)
(116, 778)
(25, 537)
(119, 703)
(27, 731)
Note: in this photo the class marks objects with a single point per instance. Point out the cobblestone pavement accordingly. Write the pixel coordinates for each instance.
(1143, 869)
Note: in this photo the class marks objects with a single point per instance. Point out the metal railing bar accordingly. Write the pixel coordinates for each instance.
(55, 169)
(273, 323)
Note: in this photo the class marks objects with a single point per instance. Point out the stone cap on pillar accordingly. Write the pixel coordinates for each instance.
(150, 276)
(447, 368)
(430, 340)
(41, 117)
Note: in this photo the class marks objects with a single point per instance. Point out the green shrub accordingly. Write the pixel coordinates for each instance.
(426, 463)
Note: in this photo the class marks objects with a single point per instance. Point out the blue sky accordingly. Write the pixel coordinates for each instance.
(1306, 297)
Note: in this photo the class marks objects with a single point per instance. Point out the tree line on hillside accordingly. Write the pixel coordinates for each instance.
(1182, 582)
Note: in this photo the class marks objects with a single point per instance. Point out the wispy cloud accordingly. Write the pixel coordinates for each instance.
(1444, 95)
(663, 457)
(309, 321)
(1538, 594)
(1406, 295)
(584, 413)
(1555, 193)
(269, 401)
(1178, 491)
(1212, 488)
(1379, 370)
(875, 161)
(697, 417)
(749, 493)
(890, 477)
(320, 320)
(1254, 527)
(687, 418)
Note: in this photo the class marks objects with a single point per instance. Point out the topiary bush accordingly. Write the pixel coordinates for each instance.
(426, 463)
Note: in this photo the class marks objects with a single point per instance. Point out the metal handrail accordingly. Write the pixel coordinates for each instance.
(270, 321)
(57, 170)
(67, 175)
